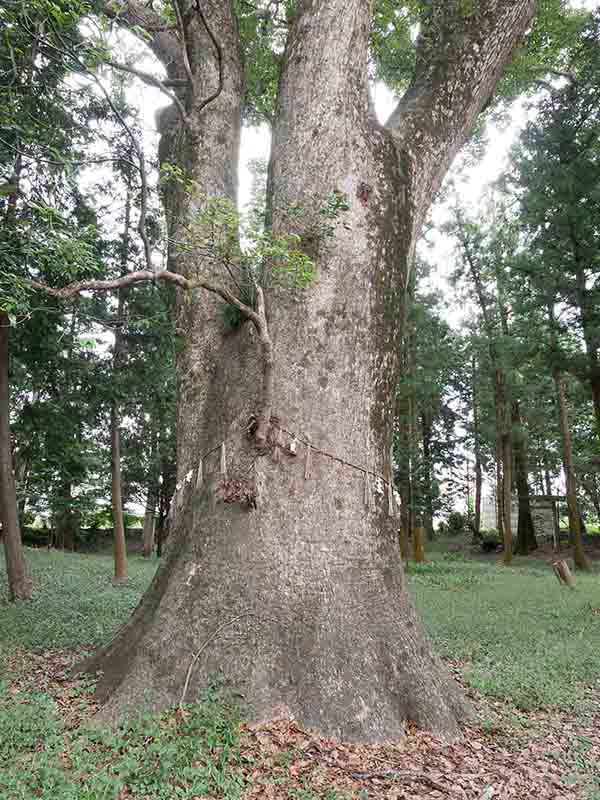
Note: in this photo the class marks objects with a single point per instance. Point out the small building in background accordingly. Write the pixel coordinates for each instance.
(544, 510)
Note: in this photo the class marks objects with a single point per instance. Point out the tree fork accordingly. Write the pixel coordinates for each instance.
(302, 600)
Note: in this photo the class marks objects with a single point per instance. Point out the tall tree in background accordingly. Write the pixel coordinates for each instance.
(556, 176)
(426, 441)
(477, 258)
(33, 119)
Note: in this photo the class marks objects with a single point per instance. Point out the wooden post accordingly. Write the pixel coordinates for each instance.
(418, 547)
(563, 573)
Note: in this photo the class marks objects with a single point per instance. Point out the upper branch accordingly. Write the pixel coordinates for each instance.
(163, 39)
(152, 80)
(461, 55)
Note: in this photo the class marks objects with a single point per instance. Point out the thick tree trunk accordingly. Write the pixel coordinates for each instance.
(19, 582)
(579, 555)
(526, 541)
(277, 573)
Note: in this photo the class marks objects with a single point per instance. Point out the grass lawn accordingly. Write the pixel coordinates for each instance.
(74, 600)
(515, 632)
(520, 643)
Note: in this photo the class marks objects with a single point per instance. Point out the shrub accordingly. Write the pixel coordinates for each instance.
(490, 539)
(456, 523)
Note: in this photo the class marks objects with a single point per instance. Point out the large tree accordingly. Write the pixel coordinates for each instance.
(283, 571)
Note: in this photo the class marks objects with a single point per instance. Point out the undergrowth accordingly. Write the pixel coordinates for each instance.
(183, 755)
(74, 602)
(516, 632)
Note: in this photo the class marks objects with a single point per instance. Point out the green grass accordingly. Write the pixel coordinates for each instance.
(517, 633)
(74, 601)
(521, 635)
(155, 757)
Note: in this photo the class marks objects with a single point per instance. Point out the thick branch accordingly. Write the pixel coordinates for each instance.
(219, 51)
(460, 57)
(264, 414)
(131, 14)
(152, 80)
(149, 276)
(184, 45)
(258, 319)
(140, 276)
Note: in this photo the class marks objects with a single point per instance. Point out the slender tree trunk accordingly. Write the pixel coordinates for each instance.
(579, 555)
(65, 522)
(590, 324)
(151, 497)
(418, 545)
(503, 421)
(595, 387)
(507, 499)
(119, 540)
(426, 430)
(478, 493)
(275, 593)
(19, 582)
(526, 541)
(160, 534)
(148, 533)
(477, 450)
(499, 489)
(548, 482)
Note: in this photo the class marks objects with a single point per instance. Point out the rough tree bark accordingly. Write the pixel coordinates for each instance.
(300, 602)
(19, 582)
(403, 455)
